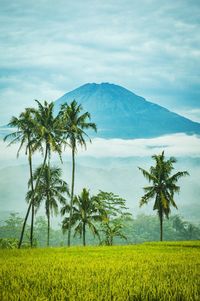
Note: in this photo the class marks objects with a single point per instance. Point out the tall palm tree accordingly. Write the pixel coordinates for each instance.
(74, 125)
(51, 190)
(47, 139)
(25, 125)
(163, 188)
(85, 213)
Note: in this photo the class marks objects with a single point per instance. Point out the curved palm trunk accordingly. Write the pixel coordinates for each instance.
(72, 196)
(32, 199)
(32, 188)
(84, 241)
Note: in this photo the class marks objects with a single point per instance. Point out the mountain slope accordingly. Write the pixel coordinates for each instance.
(119, 113)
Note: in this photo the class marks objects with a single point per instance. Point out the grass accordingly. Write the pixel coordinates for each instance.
(150, 271)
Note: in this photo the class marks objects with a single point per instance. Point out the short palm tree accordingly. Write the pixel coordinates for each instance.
(163, 188)
(74, 124)
(112, 229)
(85, 213)
(51, 190)
(25, 135)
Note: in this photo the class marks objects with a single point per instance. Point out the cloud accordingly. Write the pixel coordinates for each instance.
(178, 145)
(49, 48)
(174, 145)
(193, 114)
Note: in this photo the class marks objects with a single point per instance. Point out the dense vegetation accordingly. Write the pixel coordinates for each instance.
(136, 230)
(40, 130)
(154, 271)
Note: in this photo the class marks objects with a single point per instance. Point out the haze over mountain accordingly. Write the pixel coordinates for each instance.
(119, 113)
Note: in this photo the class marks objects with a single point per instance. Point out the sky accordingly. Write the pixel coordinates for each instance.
(48, 48)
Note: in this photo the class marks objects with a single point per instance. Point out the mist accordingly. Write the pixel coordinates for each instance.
(112, 166)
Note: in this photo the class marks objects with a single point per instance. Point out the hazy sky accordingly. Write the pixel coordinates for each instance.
(49, 47)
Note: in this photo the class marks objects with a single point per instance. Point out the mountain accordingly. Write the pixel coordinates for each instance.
(119, 113)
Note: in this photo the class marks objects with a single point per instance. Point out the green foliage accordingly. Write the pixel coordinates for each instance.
(114, 213)
(163, 188)
(112, 229)
(51, 191)
(85, 213)
(74, 123)
(8, 243)
(140, 229)
(153, 271)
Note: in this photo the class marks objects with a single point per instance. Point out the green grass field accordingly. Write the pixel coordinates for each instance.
(151, 271)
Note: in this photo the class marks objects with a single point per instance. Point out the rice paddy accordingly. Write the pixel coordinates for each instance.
(150, 271)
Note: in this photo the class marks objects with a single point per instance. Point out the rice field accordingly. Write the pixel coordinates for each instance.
(151, 271)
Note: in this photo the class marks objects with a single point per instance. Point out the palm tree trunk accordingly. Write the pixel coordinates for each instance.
(48, 203)
(72, 195)
(24, 225)
(32, 199)
(84, 242)
(161, 225)
(32, 188)
(48, 228)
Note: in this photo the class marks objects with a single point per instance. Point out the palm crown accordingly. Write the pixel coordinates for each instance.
(75, 124)
(85, 212)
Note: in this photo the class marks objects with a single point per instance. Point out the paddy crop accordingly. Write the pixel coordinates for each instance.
(152, 271)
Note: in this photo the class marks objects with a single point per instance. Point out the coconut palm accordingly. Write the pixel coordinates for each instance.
(25, 135)
(74, 125)
(51, 190)
(85, 213)
(47, 139)
(163, 188)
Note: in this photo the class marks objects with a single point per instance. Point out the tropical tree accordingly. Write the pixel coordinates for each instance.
(85, 212)
(25, 135)
(113, 209)
(47, 139)
(164, 186)
(112, 229)
(74, 124)
(51, 190)
(111, 205)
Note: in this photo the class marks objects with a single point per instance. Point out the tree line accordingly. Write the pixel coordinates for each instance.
(41, 130)
(133, 230)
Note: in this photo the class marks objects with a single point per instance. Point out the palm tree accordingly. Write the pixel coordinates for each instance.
(74, 126)
(85, 213)
(47, 137)
(51, 189)
(25, 135)
(163, 188)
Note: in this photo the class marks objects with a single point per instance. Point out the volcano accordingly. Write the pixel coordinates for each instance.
(119, 113)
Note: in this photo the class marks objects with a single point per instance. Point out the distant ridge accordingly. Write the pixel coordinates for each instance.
(119, 113)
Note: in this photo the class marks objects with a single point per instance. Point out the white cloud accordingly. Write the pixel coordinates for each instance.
(178, 145)
(174, 145)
